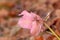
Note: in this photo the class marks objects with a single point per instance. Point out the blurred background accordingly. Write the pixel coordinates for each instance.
(9, 10)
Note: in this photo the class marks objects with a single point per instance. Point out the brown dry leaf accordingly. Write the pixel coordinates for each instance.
(9, 3)
(57, 13)
(52, 1)
(51, 38)
(57, 32)
(2, 2)
(54, 16)
(56, 5)
(39, 38)
(5, 38)
(42, 1)
(23, 33)
(34, 5)
(12, 22)
(3, 12)
(57, 25)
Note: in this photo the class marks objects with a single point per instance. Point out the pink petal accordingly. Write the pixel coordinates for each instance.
(36, 26)
(26, 20)
(31, 21)
(24, 13)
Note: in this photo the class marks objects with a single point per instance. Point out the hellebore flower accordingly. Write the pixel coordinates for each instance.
(31, 21)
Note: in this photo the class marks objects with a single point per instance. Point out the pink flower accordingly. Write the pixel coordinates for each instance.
(31, 21)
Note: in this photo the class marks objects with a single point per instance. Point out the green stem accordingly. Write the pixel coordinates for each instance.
(52, 31)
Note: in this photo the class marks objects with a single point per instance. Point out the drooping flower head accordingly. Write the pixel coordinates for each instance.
(31, 21)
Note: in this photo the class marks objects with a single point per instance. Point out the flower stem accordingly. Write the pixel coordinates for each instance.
(52, 31)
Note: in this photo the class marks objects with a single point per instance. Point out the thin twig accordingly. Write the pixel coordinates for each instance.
(52, 31)
(46, 18)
